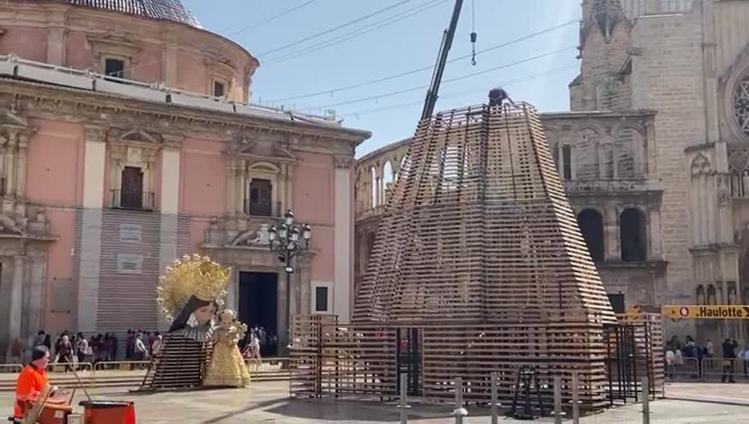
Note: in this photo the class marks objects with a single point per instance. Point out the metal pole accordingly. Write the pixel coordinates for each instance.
(458, 400)
(494, 403)
(645, 401)
(404, 394)
(288, 304)
(575, 399)
(557, 400)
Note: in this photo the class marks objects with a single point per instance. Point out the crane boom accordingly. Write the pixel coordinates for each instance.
(447, 41)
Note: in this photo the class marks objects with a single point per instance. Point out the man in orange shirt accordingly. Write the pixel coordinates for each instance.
(31, 380)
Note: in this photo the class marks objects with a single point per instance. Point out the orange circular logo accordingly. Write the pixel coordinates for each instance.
(684, 311)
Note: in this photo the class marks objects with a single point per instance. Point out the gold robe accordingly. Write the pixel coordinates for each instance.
(227, 367)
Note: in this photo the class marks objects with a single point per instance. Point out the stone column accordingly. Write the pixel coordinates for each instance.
(709, 47)
(15, 316)
(171, 58)
(56, 33)
(241, 187)
(289, 204)
(611, 234)
(231, 181)
(342, 237)
(23, 142)
(655, 234)
(37, 296)
(169, 208)
(10, 164)
(91, 220)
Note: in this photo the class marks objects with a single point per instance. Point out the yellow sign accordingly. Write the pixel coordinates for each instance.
(706, 311)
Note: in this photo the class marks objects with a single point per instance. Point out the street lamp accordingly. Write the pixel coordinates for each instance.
(285, 241)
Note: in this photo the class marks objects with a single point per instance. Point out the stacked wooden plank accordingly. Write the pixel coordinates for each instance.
(180, 364)
(480, 252)
(478, 229)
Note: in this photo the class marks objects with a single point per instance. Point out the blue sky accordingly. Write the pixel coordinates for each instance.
(403, 38)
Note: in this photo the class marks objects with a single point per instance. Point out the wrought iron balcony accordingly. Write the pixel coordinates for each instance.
(263, 209)
(133, 200)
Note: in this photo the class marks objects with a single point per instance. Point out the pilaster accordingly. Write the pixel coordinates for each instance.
(91, 228)
(16, 299)
(344, 228)
(23, 143)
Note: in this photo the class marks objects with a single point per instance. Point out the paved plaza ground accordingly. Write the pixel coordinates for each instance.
(269, 403)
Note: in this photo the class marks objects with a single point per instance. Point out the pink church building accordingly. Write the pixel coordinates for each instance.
(127, 140)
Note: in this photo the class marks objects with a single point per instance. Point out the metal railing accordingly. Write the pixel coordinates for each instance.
(121, 365)
(15, 67)
(707, 369)
(272, 209)
(133, 200)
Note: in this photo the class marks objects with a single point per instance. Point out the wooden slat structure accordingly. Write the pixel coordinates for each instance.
(645, 356)
(478, 266)
(478, 229)
(180, 364)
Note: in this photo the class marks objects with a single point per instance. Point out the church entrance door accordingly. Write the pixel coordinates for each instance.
(258, 306)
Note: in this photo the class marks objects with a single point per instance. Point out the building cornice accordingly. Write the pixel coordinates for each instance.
(87, 105)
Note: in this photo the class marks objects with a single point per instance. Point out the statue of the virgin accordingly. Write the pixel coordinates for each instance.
(190, 291)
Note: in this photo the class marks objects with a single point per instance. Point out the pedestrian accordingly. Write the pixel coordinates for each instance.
(129, 345)
(709, 349)
(140, 350)
(48, 342)
(115, 346)
(82, 350)
(252, 353)
(156, 345)
(729, 356)
(64, 352)
(39, 339)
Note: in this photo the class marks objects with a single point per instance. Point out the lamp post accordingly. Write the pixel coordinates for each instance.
(288, 240)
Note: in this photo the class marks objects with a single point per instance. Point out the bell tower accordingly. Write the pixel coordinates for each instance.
(603, 83)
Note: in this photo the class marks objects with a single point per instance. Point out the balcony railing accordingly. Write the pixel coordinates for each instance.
(133, 200)
(259, 209)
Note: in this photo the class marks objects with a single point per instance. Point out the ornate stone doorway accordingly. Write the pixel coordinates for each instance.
(258, 306)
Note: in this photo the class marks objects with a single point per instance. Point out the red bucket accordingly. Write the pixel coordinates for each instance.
(108, 412)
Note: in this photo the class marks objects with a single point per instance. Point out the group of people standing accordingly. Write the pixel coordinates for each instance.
(141, 346)
(676, 352)
(74, 349)
(267, 342)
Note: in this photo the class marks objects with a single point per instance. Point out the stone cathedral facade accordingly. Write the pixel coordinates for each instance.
(653, 154)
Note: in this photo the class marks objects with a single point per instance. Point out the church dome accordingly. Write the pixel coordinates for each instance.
(165, 10)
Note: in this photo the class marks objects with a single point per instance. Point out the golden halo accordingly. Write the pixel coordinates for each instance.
(191, 275)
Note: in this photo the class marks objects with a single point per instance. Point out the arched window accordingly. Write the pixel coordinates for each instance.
(387, 180)
(632, 235)
(731, 294)
(700, 295)
(566, 162)
(591, 225)
(711, 297)
(375, 185)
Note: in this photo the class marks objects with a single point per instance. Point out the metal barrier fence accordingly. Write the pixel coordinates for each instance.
(708, 369)
(122, 365)
(10, 368)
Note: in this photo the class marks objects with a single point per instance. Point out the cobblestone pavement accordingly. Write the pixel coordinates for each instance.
(268, 403)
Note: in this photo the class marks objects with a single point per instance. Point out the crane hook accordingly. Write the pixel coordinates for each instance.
(474, 36)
